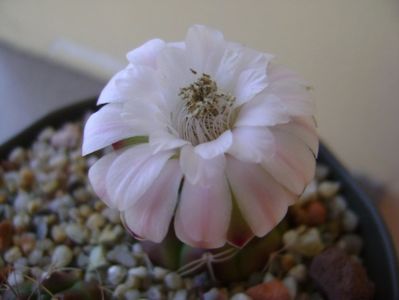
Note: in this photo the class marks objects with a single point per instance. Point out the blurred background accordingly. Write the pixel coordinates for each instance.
(347, 50)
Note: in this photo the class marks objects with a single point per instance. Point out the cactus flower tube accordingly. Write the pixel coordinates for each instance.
(210, 138)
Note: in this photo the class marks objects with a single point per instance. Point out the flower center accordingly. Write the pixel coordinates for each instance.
(205, 112)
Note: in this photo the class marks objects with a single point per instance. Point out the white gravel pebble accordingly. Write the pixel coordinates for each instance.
(159, 273)
(350, 221)
(76, 233)
(173, 281)
(139, 272)
(180, 295)
(299, 272)
(12, 255)
(291, 285)
(132, 295)
(97, 258)
(116, 274)
(328, 189)
(15, 277)
(240, 296)
(62, 256)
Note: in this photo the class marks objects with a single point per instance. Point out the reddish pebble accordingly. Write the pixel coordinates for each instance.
(6, 233)
(317, 213)
(272, 290)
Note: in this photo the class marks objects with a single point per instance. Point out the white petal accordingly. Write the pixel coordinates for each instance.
(111, 91)
(198, 170)
(97, 174)
(278, 72)
(262, 201)
(147, 53)
(216, 147)
(293, 164)
(106, 127)
(304, 129)
(163, 140)
(250, 83)
(204, 48)
(252, 144)
(132, 173)
(203, 214)
(264, 110)
(150, 216)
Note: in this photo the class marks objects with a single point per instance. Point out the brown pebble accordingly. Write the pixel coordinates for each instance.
(327, 271)
(287, 262)
(6, 234)
(26, 178)
(273, 290)
(316, 213)
(27, 242)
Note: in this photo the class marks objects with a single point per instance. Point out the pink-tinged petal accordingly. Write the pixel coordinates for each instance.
(252, 144)
(204, 49)
(106, 127)
(132, 173)
(293, 164)
(304, 129)
(262, 201)
(198, 170)
(203, 214)
(237, 59)
(163, 140)
(216, 147)
(147, 116)
(295, 97)
(147, 53)
(98, 173)
(264, 110)
(250, 83)
(151, 215)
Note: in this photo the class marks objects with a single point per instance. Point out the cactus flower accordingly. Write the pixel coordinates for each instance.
(208, 135)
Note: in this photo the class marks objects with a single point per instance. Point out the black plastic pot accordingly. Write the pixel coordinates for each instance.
(379, 253)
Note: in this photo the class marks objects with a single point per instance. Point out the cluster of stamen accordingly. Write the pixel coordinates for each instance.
(205, 112)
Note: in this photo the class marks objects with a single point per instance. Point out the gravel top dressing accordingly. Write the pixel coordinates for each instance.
(57, 239)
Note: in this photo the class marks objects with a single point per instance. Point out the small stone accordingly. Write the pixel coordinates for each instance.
(322, 172)
(268, 277)
(159, 273)
(274, 290)
(26, 178)
(350, 221)
(213, 294)
(45, 244)
(290, 238)
(82, 260)
(95, 221)
(46, 134)
(299, 272)
(139, 272)
(132, 295)
(76, 233)
(316, 213)
(12, 254)
(27, 242)
(97, 258)
(85, 211)
(309, 243)
(58, 161)
(21, 221)
(62, 256)
(287, 262)
(21, 263)
(354, 285)
(21, 201)
(110, 234)
(15, 277)
(34, 206)
(17, 155)
(291, 285)
(155, 293)
(240, 296)
(173, 281)
(120, 291)
(116, 274)
(137, 248)
(328, 189)
(6, 234)
(180, 295)
(111, 215)
(133, 282)
(68, 136)
(121, 254)
(58, 233)
(35, 256)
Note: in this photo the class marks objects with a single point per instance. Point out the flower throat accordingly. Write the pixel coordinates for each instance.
(205, 113)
